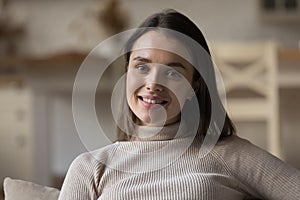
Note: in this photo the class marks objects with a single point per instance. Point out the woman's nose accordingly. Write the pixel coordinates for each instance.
(154, 87)
(155, 79)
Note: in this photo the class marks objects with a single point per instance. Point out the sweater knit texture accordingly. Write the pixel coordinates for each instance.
(148, 169)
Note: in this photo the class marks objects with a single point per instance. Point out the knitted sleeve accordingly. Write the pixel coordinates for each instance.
(259, 172)
(81, 182)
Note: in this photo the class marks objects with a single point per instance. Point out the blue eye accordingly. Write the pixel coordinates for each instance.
(173, 74)
(142, 68)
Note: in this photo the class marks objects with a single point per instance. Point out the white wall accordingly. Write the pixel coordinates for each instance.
(66, 141)
(290, 128)
(222, 20)
(66, 24)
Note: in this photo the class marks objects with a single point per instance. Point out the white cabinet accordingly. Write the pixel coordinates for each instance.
(15, 132)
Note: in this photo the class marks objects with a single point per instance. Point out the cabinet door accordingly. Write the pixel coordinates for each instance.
(15, 132)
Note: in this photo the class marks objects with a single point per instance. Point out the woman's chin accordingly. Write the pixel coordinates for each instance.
(147, 121)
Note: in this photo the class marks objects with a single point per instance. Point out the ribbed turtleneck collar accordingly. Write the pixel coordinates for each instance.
(154, 133)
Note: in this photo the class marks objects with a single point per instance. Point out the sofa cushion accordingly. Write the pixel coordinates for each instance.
(24, 190)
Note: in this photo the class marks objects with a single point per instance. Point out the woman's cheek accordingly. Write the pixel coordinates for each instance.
(133, 83)
(181, 90)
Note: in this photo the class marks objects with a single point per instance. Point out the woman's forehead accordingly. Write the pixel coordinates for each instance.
(153, 53)
(161, 41)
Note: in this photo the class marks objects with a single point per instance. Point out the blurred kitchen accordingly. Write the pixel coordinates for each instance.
(43, 43)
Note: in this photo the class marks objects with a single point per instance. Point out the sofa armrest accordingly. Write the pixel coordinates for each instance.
(24, 190)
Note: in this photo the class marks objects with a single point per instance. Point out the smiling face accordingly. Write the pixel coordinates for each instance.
(158, 81)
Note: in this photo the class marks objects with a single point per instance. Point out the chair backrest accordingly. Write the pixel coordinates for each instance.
(249, 71)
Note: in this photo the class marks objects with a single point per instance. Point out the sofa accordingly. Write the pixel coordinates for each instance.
(23, 190)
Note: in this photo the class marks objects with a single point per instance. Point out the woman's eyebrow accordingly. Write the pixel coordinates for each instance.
(139, 58)
(171, 64)
(176, 64)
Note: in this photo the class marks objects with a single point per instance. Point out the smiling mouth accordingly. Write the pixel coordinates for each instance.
(153, 101)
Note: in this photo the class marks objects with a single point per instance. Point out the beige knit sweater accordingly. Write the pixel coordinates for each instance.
(234, 169)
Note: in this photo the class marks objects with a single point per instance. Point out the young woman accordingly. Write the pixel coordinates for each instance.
(175, 139)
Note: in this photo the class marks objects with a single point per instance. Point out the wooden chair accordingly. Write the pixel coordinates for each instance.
(249, 72)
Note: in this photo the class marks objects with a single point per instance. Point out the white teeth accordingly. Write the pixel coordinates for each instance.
(152, 101)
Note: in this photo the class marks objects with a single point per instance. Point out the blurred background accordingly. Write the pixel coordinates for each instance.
(255, 44)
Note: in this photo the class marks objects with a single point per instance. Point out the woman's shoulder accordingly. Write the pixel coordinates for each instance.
(234, 149)
(94, 158)
(257, 170)
(233, 143)
(237, 152)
